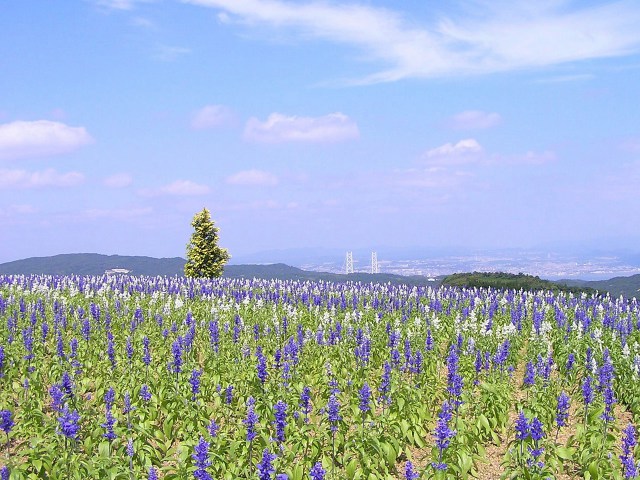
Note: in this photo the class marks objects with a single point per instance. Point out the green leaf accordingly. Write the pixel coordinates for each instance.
(565, 453)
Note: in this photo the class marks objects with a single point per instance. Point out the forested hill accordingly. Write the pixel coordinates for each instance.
(510, 281)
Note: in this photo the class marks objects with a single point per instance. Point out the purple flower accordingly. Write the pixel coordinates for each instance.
(385, 384)
(129, 349)
(145, 393)
(6, 421)
(587, 391)
(201, 460)
(176, 351)
(130, 451)
(250, 422)
(410, 473)
(146, 353)
(530, 374)
(110, 397)
(4, 473)
(305, 402)
(280, 409)
(153, 474)
(333, 413)
(68, 423)
(522, 427)
(110, 421)
(57, 397)
(562, 410)
(261, 365)
(317, 472)
(365, 398)
(536, 430)
(195, 383)
(609, 400)
(213, 428)
(228, 395)
(627, 457)
(265, 466)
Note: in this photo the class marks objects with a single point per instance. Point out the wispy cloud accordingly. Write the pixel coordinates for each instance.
(118, 180)
(39, 179)
(16, 210)
(211, 116)
(120, 4)
(168, 53)
(40, 138)
(278, 128)
(473, 120)
(116, 213)
(490, 37)
(464, 151)
(179, 188)
(253, 178)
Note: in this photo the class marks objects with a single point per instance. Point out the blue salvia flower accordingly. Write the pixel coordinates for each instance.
(228, 395)
(2, 357)
(130, 451)
(67, 384)
(145, 393)
(562, 411)
(587, 391)
(195, 383)
(27, 339)
(45, 331)
(153, 474)
(571, 360)
(110, 421)
(609, 400)
(6, 421)
(86, 329)
(129, 349)
(250, 422)
(213, 428)
(428, 343)
(605, 372)
(385, 384)
(176, 351)
(261, 365)
(305, 403)
(57, 397)
(265, 466)
(68, 423)
(333, 413)
(110, 398)
(530, 374)
(365, 398)
(523, 429)
(60, 346)
(280, 413)
(627, 458)
(201, 460)
(409, 472)
(317, 472)
(537, 434)
(146, 352)
(214, 335)
(111, 351)
(4, 473)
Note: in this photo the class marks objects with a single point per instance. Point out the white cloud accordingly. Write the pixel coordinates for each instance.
(22, 139)
(16, 210)
(465, 151)
(253, 177)
(179, 188)
(120, 4)
(486, 37)
(118, 180)
(117, 213)
(474, 120)
(39, 179)
(211, 116)
(278, 128)
(167, 53)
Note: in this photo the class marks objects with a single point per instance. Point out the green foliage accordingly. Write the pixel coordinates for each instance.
(205, 259)
(509, 281)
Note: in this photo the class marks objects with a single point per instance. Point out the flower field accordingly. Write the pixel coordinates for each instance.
(173, 378)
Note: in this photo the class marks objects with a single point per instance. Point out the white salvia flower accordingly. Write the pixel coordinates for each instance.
(625, 350)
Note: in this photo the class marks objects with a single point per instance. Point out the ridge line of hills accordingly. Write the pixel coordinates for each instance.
(97, 264)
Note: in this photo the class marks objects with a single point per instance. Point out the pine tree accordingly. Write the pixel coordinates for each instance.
(205, 259)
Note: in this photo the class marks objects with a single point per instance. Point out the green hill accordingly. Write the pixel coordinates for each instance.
(510, 281)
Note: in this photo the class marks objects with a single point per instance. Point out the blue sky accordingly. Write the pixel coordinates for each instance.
(477, 124)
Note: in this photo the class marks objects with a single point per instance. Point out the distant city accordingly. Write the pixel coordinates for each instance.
(547, 266)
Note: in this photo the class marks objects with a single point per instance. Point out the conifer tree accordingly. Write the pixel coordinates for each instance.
(205, 259)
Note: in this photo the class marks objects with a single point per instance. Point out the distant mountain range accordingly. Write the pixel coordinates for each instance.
(97, 264)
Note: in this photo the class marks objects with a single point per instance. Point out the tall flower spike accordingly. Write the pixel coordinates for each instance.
(201, 460)
(265, 467)
(562, 410)
(317, 472)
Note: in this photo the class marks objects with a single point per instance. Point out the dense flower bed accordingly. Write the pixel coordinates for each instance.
(171, 378)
